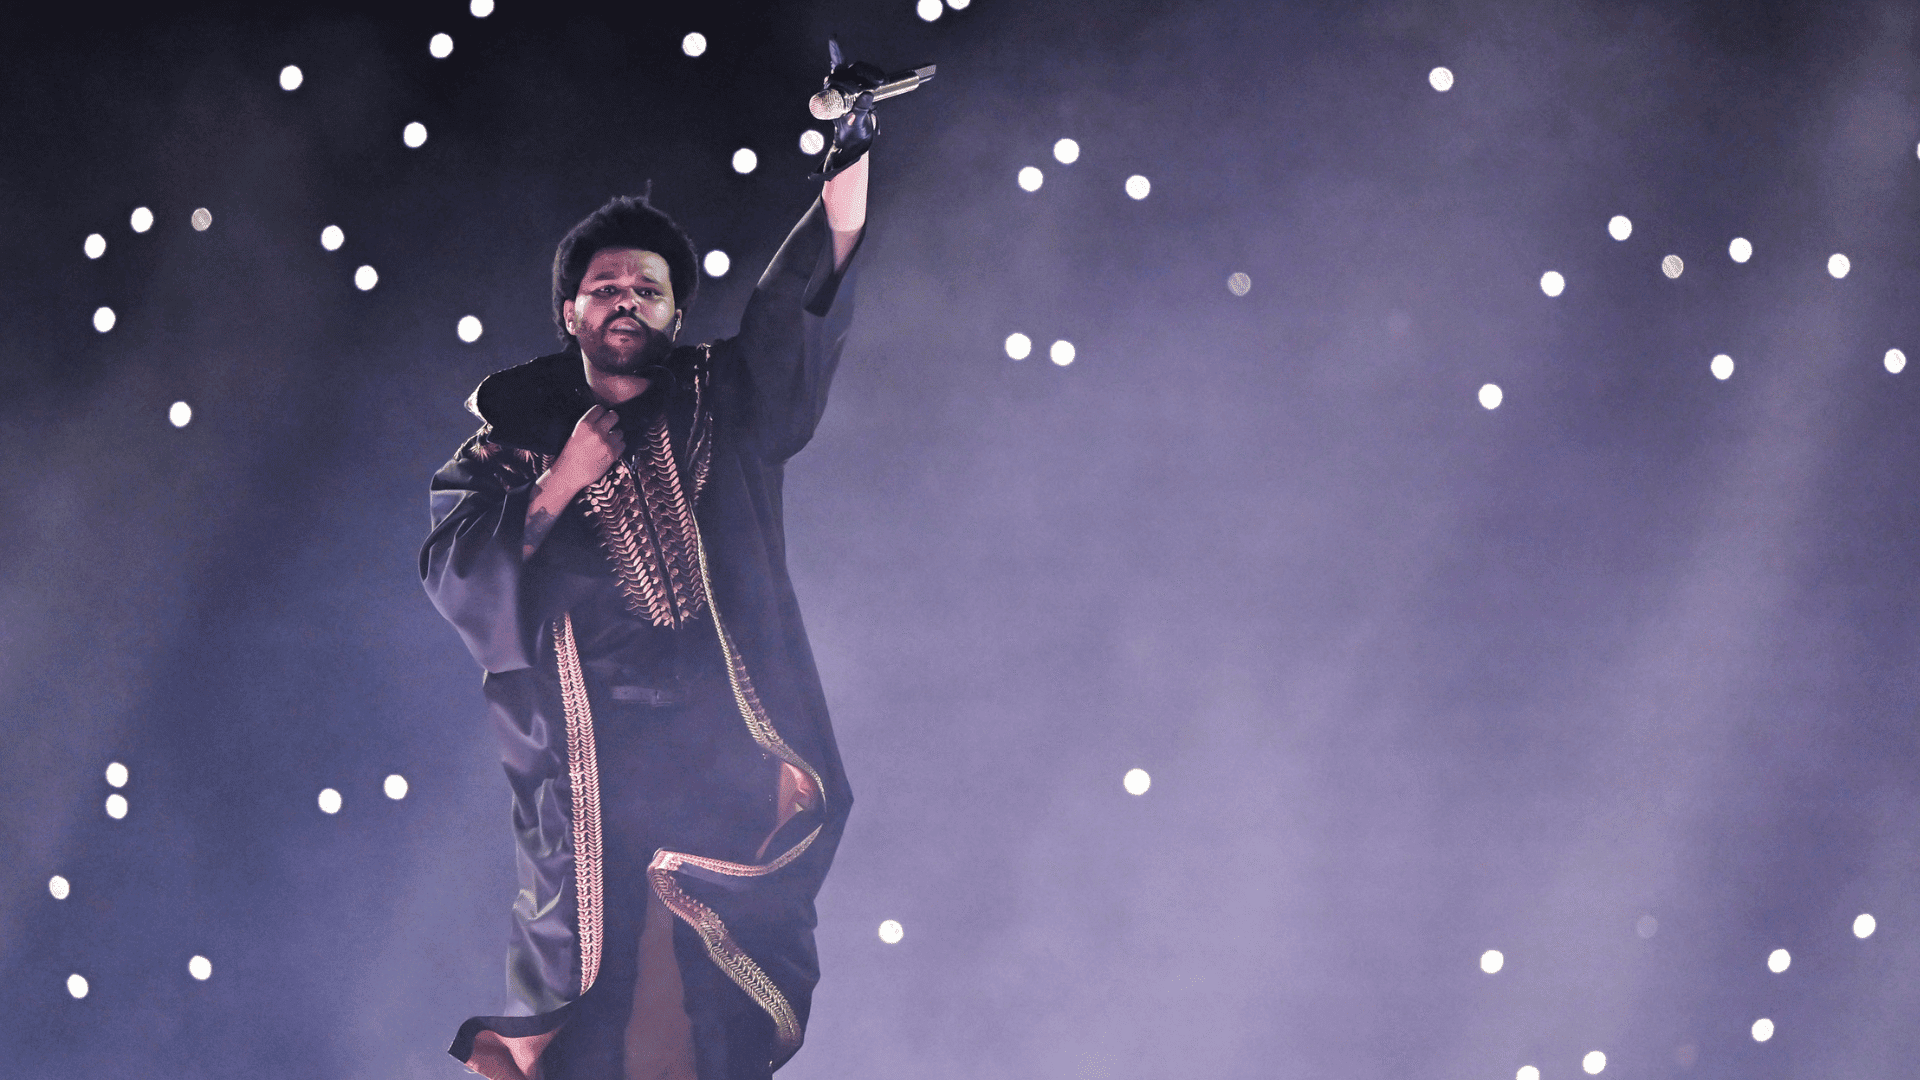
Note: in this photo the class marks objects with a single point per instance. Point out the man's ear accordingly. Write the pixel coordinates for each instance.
(566, 312)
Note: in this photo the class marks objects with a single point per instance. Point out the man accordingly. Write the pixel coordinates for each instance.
(609, 546)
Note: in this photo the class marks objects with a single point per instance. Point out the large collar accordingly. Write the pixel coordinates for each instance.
(536, 405)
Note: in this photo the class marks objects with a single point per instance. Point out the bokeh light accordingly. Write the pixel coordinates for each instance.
(116, 774)
(929, 9)
(959, 5)
(201, 220)
(1593, 1062)
(469, 329)
(58, 886)
(1672, 266)
(116, 806)
(103, 319)
(440, 46)
(1762, 1029)
(1741, 249)
(1646, 926)
(1491, 397)
(1722, 367)
(291, 78)
(95, 246)
(891, 932)
(200, 968)
(329, 801)
(481, 8)
(1019, 346)
(1838, 265)
(414, 135)
(77, 986)
(1138, 187)
(745, 160)
(694, 44)
(1239, 284)
(395, 787)
(366, 278)
(1527, 1072)
(1440, 79)
(1619, 227)
(179, 414)
(1552, 283)
(1895, 360)
(1863, 926)
(1031, 178)
(716, 263)
(1778, 960)
(1136, 781)
(142, 219)
(1492, 961)
(812, 142)
(332, 237)
(1061, 353)
(1066, 151)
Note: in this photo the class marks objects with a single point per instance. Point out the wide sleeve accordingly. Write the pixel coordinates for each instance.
(791, 336)
(471, 563)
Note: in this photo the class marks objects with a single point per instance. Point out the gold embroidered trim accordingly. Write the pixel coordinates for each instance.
(583, 771)
(646, 526)
(725, 952)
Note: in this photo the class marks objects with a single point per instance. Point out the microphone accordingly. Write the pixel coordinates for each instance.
(831, 104)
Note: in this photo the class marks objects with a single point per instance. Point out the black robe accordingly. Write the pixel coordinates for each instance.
(642, 757)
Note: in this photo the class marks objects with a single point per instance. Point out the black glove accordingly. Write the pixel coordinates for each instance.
(853, 132)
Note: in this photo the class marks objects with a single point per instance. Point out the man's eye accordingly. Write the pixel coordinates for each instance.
(604, 290)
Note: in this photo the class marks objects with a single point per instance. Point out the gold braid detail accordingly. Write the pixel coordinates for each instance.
(583, 772)
(646, 526)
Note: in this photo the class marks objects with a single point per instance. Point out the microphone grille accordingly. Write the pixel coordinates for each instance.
(828, 104)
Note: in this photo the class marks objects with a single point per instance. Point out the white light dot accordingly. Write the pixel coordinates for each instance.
(481, 8)
(1672, 266)
(1491, 397)
(1895, 361)
(441, 46)
(77, 986)
(95, 246)
(395, 786)
(717, 264)
(200, 968)
(414, 135)
(1722, 367)
(1138, 187)
(812, 142)
(929, 9)
(103, 319)
(116, 774)
(1777, 961)
(694, 44)
(1061, 353)
(1552, 283)
(469, 329)
(891, 932)
(1239, 284)
(1136, 781)
(332, 237)
(1527, 1072)
(290, 78)
(1492, 961)
(744, 161)
(1741, 249)
(116, 806)
(58, 887)
(179, 414)
(142, 219)
(1440, 79)
(1066, 151)
(1594, 1062)
(201, 219)
(959, 5)
(365, 278)
(1838, 265)
(329, 801)
(1031, 178)
(1863, 926)
(1646, 926)
(1762, 1029)
(1619, 227)
(1019, 346)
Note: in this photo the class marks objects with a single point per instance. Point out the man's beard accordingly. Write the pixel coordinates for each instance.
(609, 360)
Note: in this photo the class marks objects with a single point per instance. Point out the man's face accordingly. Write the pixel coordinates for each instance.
(623, 310)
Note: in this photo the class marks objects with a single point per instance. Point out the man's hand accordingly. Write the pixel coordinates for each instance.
(596, 443)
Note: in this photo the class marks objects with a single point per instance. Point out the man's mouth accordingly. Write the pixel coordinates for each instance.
(623, 326)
